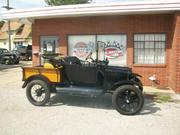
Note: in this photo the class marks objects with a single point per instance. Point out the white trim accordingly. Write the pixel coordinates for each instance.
(121, 8)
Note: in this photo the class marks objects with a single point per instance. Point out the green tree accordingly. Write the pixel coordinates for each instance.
(66, 2)
(1, 23)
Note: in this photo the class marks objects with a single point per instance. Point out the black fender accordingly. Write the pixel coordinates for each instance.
(127, 82)
(35, 77)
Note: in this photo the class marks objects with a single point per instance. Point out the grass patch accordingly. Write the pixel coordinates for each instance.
(162, 98)
(159, 97)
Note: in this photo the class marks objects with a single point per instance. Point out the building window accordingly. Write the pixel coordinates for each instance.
(112, 47)
(81, 46)
(49, 44)
(18, 43)
(149, 48)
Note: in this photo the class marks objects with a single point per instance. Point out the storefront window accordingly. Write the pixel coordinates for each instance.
(149, 48)
(112, 47)
(81, 46)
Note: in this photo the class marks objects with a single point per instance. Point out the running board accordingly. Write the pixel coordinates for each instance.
(80, 91)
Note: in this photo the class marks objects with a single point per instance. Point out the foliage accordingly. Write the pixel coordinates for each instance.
(1, 23)
(66, 2)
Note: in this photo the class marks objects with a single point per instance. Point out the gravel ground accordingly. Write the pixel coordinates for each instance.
(67, 115)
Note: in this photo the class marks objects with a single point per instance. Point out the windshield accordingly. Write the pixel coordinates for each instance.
(4, 51)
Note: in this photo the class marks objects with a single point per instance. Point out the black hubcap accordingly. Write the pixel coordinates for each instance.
(128, 100)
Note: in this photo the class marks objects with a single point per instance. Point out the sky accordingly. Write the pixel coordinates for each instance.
(40, 3)
(19, 4)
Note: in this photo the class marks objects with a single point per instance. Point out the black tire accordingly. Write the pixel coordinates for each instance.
(17, 62)
(44, 90)
(7, 62)
(125, 96)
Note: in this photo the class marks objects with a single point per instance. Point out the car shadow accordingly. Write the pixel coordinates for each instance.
(102, 102)
(21, 64)
(150, 106)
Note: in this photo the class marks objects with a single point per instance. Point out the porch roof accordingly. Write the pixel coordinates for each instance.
(120, 8)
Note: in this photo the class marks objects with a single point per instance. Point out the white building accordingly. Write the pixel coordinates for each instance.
(20, 35)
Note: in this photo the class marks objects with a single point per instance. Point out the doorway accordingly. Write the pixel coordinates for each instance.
(49, 45)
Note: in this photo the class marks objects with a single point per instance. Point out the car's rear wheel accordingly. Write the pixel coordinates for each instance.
(38, 92)
(128, 100)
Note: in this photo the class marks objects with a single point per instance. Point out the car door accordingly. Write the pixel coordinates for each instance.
(81, 74)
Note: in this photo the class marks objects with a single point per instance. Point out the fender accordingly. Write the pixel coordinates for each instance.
(35, 77)
(130, 82)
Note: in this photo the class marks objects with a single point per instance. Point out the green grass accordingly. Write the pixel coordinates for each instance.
(162, 98)
(159, 97)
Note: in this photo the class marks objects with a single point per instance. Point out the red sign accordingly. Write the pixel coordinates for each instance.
(113, 52)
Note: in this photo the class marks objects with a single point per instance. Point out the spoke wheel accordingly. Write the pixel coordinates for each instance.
(38, 92)
(128, 100)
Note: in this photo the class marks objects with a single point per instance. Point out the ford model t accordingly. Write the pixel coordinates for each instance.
(69, 75)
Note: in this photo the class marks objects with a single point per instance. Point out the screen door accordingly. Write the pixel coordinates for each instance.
(49, 45)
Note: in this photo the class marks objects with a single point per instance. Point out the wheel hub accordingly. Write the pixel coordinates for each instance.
(38, 92)
(127, 101)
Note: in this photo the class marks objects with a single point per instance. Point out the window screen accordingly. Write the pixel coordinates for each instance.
(149, 48)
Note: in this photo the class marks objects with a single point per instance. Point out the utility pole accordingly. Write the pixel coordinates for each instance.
(9, 27)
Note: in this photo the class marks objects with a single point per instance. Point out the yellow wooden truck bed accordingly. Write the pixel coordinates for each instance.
(52, 74)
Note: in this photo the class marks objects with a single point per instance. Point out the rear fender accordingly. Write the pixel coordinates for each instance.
(35, 77)
(130, 82)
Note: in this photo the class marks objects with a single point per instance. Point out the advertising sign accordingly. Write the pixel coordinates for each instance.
(82, 46)
(112, 47)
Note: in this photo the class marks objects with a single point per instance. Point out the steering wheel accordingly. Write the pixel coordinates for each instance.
(89, 56)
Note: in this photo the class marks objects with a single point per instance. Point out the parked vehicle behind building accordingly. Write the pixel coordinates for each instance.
(7, 57)
(25, 52)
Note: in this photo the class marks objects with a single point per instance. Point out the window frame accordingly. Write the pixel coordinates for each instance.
(150, 64)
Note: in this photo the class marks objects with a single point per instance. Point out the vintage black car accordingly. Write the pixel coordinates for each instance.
(7, 57)
(69, 75)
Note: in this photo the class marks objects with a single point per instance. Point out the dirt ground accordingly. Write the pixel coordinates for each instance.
(67, 115)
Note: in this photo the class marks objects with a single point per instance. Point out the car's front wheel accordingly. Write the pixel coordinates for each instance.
(17, 62)
(38, 92)
(128, 99)
(7, 61)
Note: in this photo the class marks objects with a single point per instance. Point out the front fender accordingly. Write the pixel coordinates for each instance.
(129, 82)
